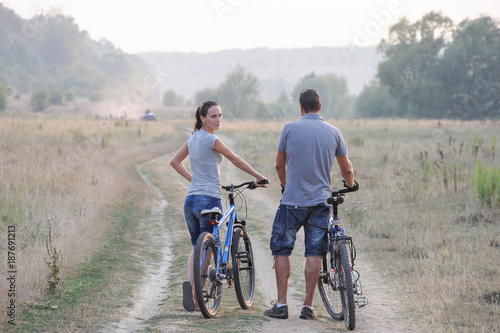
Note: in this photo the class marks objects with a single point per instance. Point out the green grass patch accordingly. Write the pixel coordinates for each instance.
(487, 185)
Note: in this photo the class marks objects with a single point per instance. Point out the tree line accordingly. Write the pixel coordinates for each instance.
(431, 69)
(238, 95)
(435, 69)
(50, 56)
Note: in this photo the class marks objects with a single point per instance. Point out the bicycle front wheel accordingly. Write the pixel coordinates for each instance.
(328, 287)
(207, 286)
(346, 285)
(243, 268)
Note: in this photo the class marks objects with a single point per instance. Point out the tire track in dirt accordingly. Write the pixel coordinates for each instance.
(150, 295)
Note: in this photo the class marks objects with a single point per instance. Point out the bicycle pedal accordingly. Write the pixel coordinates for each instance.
(361, 301)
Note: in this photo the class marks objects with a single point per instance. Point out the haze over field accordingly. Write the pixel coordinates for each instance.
(384, 58)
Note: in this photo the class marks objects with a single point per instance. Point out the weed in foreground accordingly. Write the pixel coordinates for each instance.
(54, 263)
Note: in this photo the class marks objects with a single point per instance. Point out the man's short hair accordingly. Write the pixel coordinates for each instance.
(310, 100)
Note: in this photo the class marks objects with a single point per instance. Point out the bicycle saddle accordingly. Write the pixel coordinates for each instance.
(213, 211)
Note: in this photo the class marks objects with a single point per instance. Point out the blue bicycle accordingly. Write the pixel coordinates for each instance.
(212, 265)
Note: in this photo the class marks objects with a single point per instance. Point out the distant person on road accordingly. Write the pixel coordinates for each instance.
(206, 153)
(306, 150)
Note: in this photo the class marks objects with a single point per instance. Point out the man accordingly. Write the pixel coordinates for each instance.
(306, 150)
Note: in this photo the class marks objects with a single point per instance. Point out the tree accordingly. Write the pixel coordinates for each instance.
(5, 91)
(469, 70)
(115, 64)
(69, 96)
(39, 100)
(207, 94)
(411, 53)
(333, 90)
(170, 98)
(375, 101)
(238, 91)
(56, 97)
(62, 41)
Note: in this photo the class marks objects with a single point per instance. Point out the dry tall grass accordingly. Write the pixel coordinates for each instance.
(416, 216)
(67, 173)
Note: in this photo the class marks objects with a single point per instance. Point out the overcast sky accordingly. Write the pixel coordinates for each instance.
(213, 25)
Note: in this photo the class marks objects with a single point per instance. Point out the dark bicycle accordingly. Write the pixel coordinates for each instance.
(338, 281)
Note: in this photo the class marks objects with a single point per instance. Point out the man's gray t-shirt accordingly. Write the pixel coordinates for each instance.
(205, 165)
(310, 145)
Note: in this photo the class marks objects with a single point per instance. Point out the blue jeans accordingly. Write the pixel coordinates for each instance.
(287, 223)
(193, 205)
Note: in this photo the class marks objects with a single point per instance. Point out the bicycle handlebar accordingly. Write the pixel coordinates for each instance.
(251, 185)
(337, 195)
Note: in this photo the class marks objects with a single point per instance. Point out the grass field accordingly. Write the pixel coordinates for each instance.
(418, 215)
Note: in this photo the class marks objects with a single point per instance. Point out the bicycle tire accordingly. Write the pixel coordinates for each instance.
(328, 289)
(208, 288)
(243, 268)
(346, 285)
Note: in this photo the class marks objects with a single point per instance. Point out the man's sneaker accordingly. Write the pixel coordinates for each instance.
(187, 296)
(275, 312)
(307, 313)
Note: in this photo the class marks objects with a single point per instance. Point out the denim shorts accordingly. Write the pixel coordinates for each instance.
(287, 223)
(193, 205)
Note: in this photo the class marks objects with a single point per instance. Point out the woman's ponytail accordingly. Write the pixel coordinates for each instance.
(198, 123)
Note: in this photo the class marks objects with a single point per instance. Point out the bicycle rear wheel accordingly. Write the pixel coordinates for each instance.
(328, 287)
(207, 287)
(346, 285)
(243, 268)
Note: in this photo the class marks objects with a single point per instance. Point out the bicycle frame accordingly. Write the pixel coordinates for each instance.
(230, 213)
(224, 256)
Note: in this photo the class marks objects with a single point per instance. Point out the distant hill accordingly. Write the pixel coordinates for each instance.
(277, 69)
(51, 52)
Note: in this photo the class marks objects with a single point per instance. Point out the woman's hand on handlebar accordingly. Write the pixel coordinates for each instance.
(261, 181)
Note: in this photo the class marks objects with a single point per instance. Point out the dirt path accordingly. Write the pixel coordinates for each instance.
(149, 297)
(383, 314)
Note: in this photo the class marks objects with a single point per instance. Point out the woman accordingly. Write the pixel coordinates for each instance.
(205, 152)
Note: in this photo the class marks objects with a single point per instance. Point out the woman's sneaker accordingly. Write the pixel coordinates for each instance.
(275, 312)
(187, 296)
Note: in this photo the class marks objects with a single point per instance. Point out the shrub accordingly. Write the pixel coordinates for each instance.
(39, 100)
(5, 90)
(69, 96)
(56, 97)
(487, 185)
(170, 98)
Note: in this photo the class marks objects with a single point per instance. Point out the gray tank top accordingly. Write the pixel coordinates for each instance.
(205, 165)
